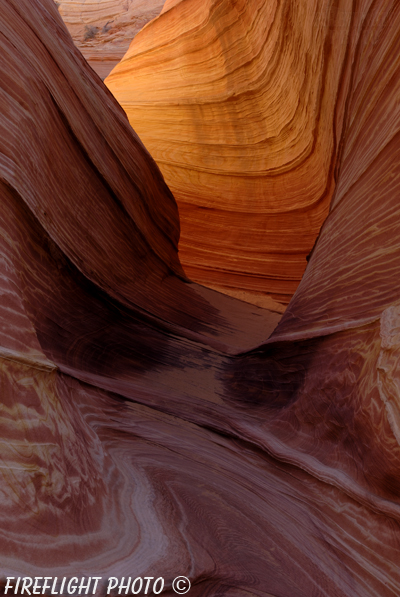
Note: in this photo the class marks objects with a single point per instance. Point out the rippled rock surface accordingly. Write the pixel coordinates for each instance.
(154, 427)
(100, 331)
(240, 104)
(103, 29)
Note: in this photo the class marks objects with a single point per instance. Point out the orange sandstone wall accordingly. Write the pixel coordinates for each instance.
(239, 103)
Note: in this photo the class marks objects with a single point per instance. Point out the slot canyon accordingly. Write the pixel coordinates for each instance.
(200, 294)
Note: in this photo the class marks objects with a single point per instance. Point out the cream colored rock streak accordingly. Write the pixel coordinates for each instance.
(389, 366)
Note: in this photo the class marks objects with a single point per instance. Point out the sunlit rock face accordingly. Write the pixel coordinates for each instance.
(239, 103)
(152, 427)
(103, 29)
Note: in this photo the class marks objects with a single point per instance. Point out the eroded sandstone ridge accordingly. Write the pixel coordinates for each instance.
(153, 427)
(103, 29)
(238, 104)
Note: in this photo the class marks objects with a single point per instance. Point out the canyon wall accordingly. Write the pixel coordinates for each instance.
(96, 318)
(240, 105)
(153, 427)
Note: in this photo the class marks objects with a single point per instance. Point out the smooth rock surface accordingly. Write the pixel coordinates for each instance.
(154, 427)
(103, 29)
(239, 104)
(96, 317)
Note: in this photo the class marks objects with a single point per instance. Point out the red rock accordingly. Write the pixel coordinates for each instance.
(154, 427)
(93, 299)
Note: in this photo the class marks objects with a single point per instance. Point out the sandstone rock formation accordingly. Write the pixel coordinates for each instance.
(154, 427)
(93, 302)
(103, 29)
(237, 102)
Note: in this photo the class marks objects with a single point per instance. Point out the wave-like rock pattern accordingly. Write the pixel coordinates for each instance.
(93, 302)
(237, 103)
(103, 29)
(154, 427)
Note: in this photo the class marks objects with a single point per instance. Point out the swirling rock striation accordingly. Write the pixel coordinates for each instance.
(237, 102)
(93, 302)
(154, 427)
(103, 29)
